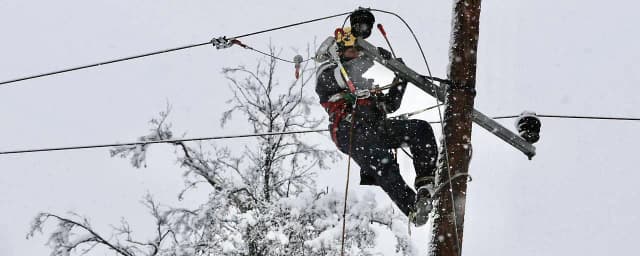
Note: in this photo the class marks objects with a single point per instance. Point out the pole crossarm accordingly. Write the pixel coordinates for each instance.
(439, 92)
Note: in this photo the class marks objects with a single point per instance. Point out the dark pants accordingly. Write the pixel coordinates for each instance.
(370, 148)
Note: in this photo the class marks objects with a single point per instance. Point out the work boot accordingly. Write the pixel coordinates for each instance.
(424, 202)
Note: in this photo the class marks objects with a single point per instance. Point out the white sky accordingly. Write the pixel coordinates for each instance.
(577, 197)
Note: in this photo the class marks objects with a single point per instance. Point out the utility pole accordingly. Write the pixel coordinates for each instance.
(449, 204)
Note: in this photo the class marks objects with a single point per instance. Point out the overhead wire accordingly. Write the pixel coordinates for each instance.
(164, 51)
(169, 141)
(276, 133)
(415, 38)
(235, 41)
(276, 57)
(103, 63)
(578, 117)
(606, 118)
(292, 25)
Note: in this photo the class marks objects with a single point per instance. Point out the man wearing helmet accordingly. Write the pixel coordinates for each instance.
(359, 126)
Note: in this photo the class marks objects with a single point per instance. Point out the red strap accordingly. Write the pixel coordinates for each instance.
(351, 86)
(338, 109)
(381, 28)
(339, 31)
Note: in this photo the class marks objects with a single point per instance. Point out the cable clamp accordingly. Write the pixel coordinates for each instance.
(222, 42)
(362, 94)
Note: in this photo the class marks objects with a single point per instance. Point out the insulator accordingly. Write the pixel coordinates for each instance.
(528, 126)
(298, 60)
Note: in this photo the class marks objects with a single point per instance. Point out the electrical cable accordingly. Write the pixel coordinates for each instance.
(592, 117)
(156, 142)
(415, 38)
(276, 57)
(279, 133)
(235, 41)
(575, 117)
(345, 21)
(292, 25)
(162, 51)
(103, 63)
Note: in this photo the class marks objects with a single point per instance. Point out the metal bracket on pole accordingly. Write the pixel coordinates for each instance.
(439, 92)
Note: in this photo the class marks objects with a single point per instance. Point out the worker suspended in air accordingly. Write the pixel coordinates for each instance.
(360, 127)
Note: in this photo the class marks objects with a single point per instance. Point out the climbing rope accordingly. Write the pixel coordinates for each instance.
(346, 189)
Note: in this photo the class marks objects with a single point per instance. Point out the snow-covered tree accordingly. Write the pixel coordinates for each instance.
(263, 200)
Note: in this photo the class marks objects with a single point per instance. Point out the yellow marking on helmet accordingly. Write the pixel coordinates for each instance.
(347, 39)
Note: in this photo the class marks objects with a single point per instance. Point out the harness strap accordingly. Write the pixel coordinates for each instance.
(339, 79)
(338, 109)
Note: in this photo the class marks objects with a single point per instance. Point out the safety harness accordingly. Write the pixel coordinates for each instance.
(337, 106)
(339, 110)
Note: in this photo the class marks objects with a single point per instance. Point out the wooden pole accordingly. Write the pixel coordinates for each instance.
(448, 222)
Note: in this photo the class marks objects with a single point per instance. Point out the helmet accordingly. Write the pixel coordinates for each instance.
(362, 22)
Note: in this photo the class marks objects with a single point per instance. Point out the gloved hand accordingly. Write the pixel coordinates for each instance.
(359, 94)
(350, 98)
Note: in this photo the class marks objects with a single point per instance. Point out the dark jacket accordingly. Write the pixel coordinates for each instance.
(368, 111)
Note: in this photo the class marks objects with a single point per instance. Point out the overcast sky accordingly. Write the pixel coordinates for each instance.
(577, 197)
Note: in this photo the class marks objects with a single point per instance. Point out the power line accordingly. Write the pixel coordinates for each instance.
(170, 141)
(103, 63)
(162, 51)
(273, 133)
(292, 25)
(575, 117)
(593, 117)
